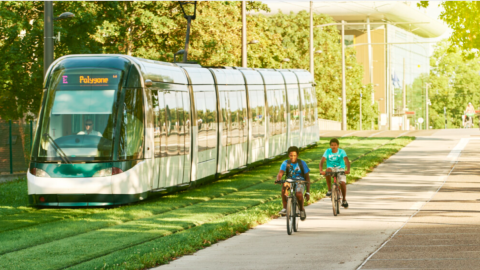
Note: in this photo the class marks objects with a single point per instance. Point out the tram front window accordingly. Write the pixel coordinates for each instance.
(78, 118)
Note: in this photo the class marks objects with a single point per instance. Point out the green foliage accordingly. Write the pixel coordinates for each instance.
(462, 18)
(454, 82)
(156, 29)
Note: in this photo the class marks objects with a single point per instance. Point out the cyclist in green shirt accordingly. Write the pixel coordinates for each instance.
(336, 157)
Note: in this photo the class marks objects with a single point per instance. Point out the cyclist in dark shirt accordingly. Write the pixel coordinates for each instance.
(298, 173)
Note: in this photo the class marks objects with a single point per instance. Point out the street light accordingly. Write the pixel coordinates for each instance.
(48, 33)
(253, 41)
(427, 102)
(177, 53)
(64, 15)
(189, 22)
(361, 110)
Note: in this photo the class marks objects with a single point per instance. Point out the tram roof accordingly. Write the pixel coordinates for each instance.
(159, 71)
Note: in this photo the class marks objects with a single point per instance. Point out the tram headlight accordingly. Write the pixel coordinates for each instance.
(103, 173)
(39, 173)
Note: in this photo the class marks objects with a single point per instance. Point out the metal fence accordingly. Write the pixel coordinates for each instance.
(16, 138)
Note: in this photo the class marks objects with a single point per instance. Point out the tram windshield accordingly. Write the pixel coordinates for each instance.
(79, 113)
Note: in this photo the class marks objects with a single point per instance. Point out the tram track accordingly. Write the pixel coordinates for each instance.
(177, 208)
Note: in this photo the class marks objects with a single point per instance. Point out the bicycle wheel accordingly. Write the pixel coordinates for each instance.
(339, 198)
(296, 214)
(334, 200)
(289, 216)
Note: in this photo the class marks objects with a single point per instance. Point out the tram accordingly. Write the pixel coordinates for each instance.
(114, 129)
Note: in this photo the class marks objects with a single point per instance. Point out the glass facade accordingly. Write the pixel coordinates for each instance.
(409, 63)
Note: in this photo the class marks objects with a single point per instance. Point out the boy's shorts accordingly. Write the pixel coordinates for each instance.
(342, 177)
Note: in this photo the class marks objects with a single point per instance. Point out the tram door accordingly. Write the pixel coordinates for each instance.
(172, 135)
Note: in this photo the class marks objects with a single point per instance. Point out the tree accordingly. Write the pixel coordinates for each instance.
(155, 30)
(454, 82)
(462, 18)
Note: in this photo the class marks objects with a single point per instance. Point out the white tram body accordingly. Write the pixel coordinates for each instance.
(114, 129)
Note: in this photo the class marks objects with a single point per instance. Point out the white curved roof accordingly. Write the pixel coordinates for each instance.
(378, 11)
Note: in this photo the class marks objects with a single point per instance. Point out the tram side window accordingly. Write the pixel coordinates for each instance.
(211, 119)
(271, 112)
(181, 124)
(314, 105)
(294, 108)
(244, 117)
(306, 108)
(201, 120)
(159, 130)
(132, 128)
(224, 116)
(172, 123)
(234, 130)
(311, 110)
(282, 121)
(258, 119)
(186, 122)
(252, 96)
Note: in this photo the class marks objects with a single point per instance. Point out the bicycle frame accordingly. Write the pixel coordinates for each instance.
(292, 205)
(336, 190)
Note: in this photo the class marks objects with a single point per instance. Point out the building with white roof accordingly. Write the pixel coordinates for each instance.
(400, 33)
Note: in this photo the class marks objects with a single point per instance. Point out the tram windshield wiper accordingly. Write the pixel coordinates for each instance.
(59, 150)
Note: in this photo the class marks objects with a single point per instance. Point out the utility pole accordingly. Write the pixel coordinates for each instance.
(360, 110)
(390, 91)
(47, 35)
(426, 106)
(404, 98)
(344, 92)
(244, 34)
(445, 114)
(311, 39)
(370, 62)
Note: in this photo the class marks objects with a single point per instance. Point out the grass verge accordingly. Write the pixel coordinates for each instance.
(89, 240)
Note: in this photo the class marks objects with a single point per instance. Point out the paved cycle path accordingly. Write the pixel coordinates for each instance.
(380, 204)
(444, 234)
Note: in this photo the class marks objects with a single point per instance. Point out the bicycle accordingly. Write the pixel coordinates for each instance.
(469, 120)
(336, 192)
(293, 211)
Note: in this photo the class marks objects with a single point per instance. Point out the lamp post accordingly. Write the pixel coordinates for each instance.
(244, 34)
(427, 102)
(360, 110)
(48, 33)
(344, 90)
(189, 22)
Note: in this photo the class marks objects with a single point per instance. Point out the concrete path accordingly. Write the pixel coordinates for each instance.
(380, 204)
(444, 234)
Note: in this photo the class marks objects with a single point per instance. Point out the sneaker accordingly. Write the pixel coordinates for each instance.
(345, 204)
(283, 212)
(303, 215)
(329, 193)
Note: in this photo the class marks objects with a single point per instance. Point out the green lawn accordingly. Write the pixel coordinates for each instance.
(157, 230)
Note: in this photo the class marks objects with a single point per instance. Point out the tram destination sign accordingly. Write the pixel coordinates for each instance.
(90, 80)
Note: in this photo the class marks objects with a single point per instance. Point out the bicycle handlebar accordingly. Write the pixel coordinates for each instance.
(291, 181)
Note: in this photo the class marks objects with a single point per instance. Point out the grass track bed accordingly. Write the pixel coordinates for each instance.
(111, 236)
